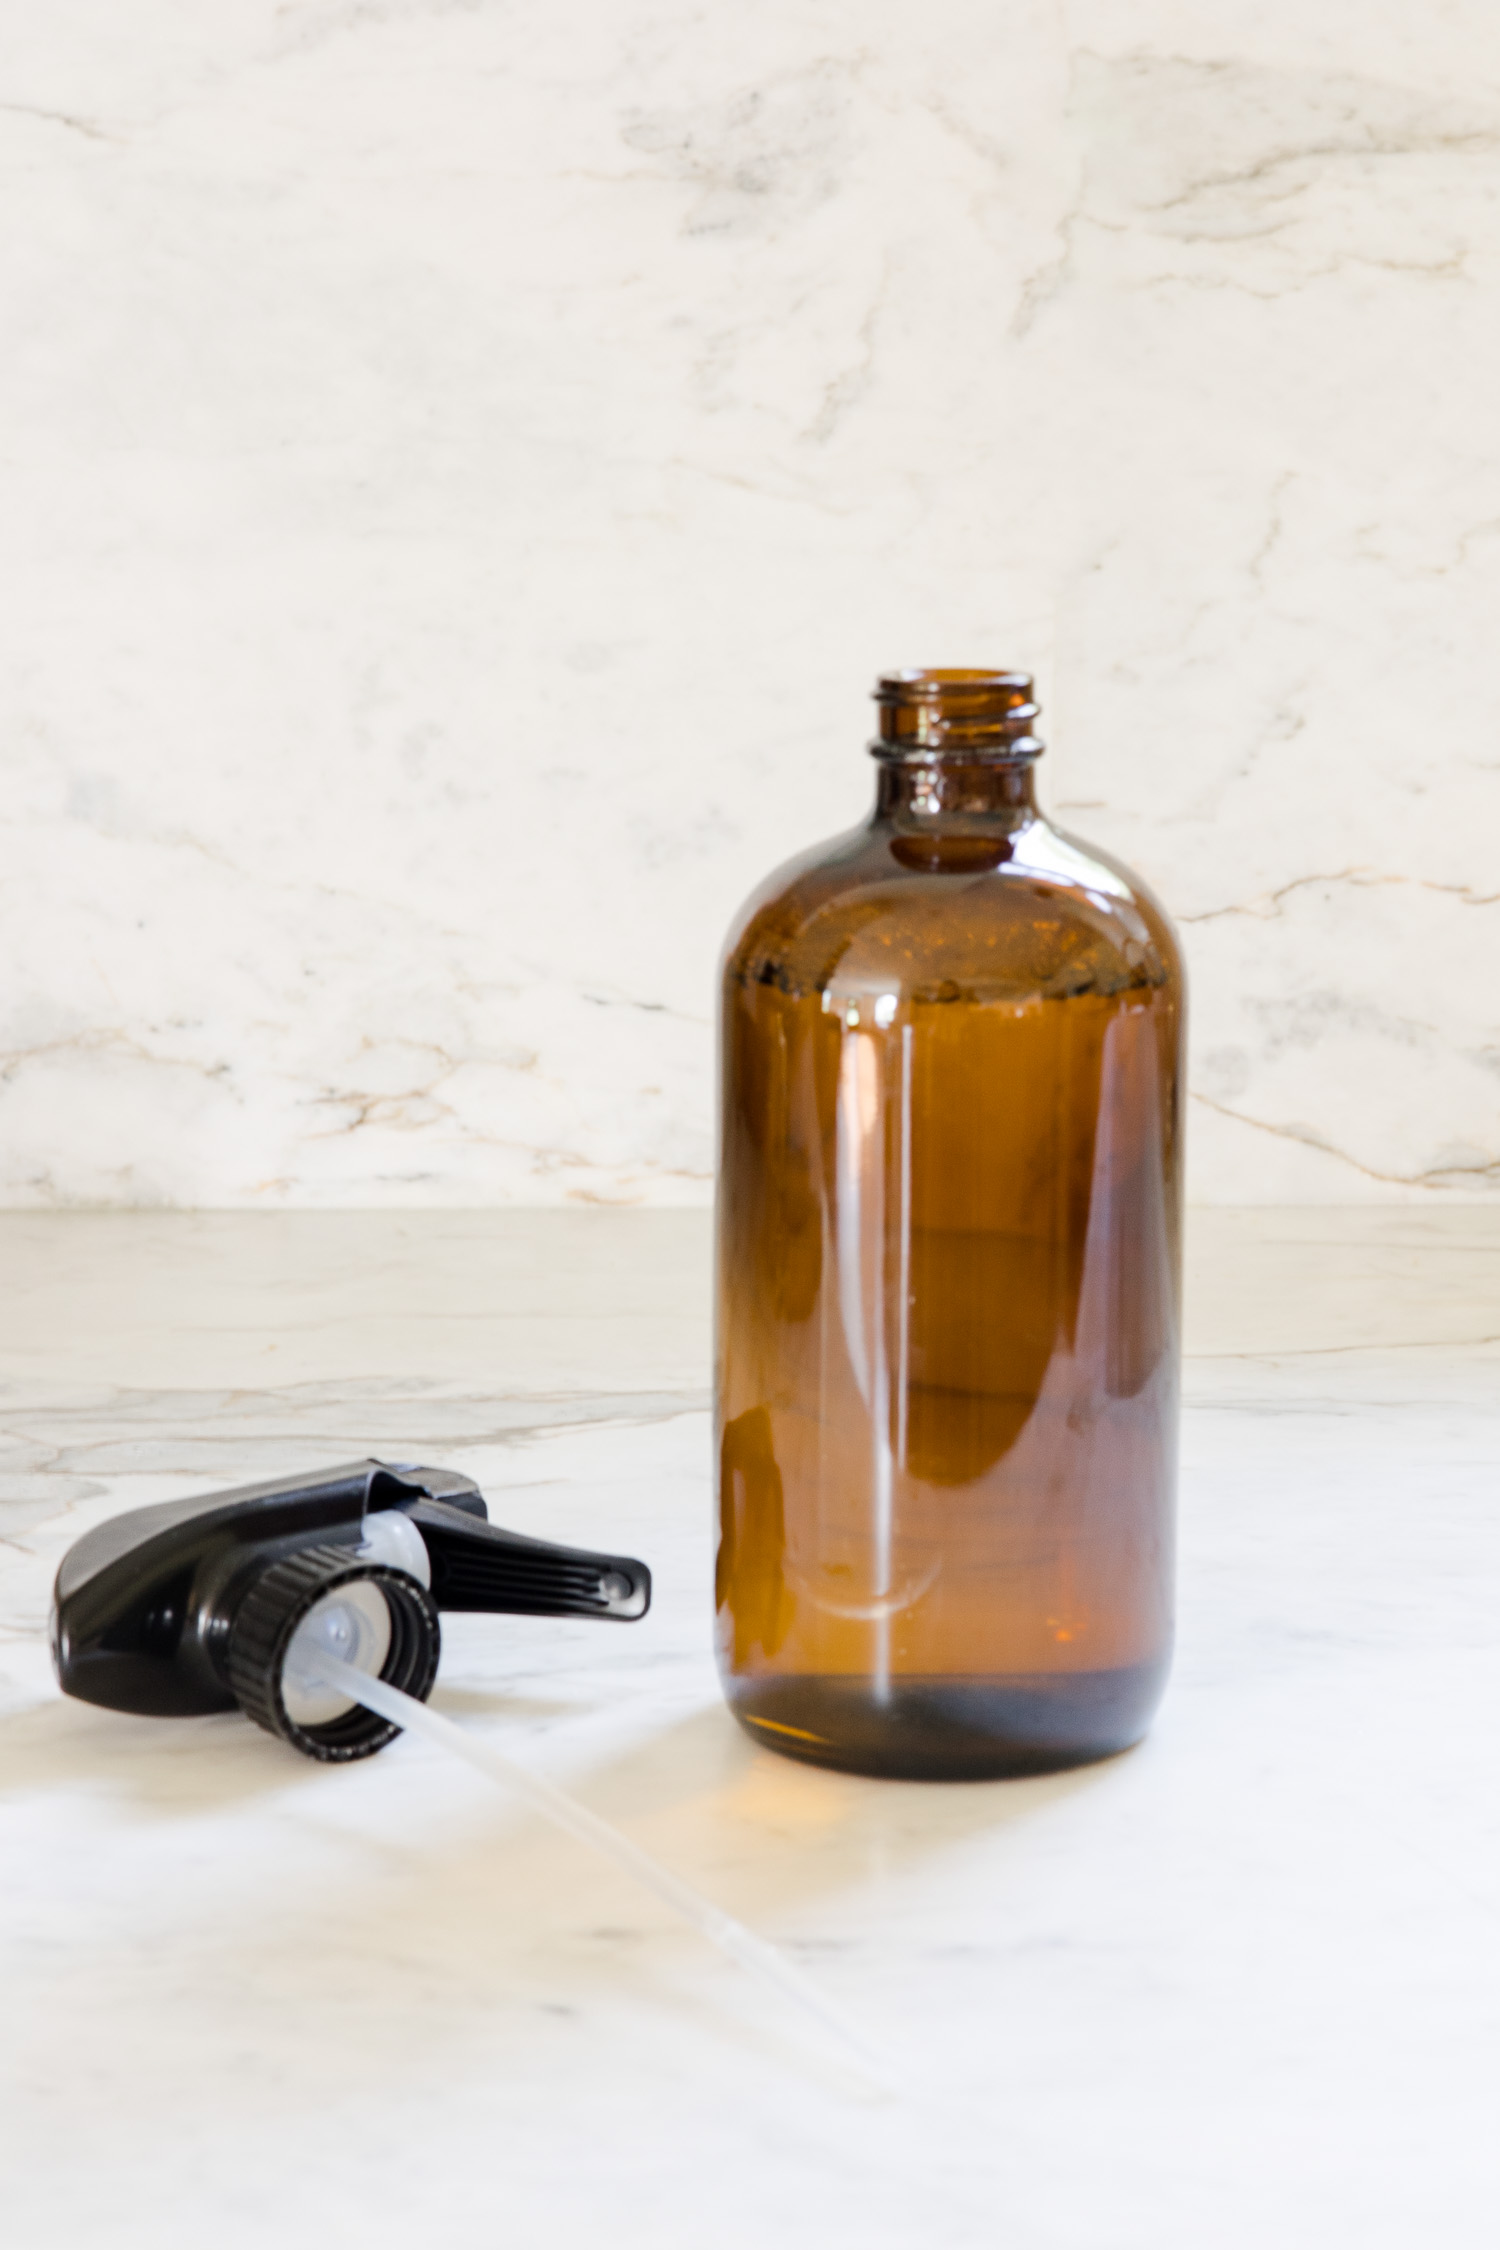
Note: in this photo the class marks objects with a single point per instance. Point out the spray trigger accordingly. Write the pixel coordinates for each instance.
(196, 1605)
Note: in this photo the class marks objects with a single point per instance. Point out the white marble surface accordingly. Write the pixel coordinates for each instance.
(1237, 1988)
(465, 460)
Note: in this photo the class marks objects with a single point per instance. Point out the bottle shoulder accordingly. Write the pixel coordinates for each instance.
(974, 908)
(809, 883)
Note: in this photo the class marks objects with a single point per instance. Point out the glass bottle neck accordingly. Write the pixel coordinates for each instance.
(916, 788)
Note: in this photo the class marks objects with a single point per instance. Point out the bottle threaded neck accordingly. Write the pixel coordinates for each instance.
(957, 713)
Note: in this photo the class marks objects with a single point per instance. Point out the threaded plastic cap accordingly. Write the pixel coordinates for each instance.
(268, 1618)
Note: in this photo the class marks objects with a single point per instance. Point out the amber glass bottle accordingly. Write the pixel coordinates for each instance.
(948, 1272)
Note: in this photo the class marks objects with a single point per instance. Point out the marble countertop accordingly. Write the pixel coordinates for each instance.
(1239, 1987)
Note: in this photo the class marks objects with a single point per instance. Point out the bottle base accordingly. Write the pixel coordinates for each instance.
(950, 1729)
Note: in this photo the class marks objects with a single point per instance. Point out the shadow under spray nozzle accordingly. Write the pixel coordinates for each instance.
(193, 1606)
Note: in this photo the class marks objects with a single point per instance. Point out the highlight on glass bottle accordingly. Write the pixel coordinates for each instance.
(948, 1272)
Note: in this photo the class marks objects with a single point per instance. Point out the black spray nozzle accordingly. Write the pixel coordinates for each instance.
(199, 1605)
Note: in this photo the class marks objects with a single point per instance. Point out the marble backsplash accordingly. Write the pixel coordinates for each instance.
(463, 462)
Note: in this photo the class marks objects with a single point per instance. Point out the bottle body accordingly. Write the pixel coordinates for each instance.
(948, 1290)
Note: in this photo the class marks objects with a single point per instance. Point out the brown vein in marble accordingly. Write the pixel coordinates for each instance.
(1162, 100)
(1336, 1351)
(1048, 281)
(95, 1042)
(1315, 152)
(1453, 268)
(144, 1433)
(390, 1110)
(413, 1109)
(1267, 906)
(1435, 1176)
(846, 390)
(1364, 548)
(1274, 529)
(62, 117)
(1352, 130)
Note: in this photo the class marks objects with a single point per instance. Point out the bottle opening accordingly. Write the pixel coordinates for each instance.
(965, 711)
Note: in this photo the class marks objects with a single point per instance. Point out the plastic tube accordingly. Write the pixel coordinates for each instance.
(322, 1669)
